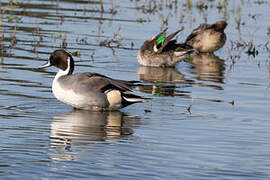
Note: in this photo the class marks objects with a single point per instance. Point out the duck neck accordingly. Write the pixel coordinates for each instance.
(67, 71)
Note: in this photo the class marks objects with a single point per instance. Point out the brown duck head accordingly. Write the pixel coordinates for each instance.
(219, 25)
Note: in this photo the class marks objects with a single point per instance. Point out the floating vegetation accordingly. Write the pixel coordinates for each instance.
(232, 102)
(114, 41)
(76, 53)
(2, 48)
(259, 2)
(15, 19)
(252, 50)
(189, 108)
(13, 39)
(59, 35)
(267, 45)
(149, 8)
(11, 17)
(147, 111)
(64, 42)
(201, 5)
(164, 12)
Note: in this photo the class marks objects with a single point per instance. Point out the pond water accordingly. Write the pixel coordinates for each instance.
(208, 118)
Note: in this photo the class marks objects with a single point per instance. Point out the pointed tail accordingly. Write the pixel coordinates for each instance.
(128, 98)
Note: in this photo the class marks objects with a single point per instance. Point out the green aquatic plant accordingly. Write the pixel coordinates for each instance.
(159, 84)
(12, 19)
(7, 9)
(259, 2)
(115, 39)
(13, 4)
(189, 4)
(76, 53)
(59, 35)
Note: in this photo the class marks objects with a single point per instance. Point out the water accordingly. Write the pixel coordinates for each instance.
(208, 118)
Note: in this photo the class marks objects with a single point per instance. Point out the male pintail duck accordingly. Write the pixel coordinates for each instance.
(208, 37)
(162, 51)
(88, 91)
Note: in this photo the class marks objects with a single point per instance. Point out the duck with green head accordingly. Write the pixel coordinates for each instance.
(162, 51)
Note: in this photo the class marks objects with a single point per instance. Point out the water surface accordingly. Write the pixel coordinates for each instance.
(208, 118)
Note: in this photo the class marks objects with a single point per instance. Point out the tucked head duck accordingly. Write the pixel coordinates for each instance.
(88, 91)
(162, 51)
(208, 37)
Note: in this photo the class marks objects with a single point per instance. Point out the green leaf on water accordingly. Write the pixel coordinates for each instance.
(59, 35)
(76, 53)
(158, 84)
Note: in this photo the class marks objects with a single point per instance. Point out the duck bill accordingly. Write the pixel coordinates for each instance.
(48, 64)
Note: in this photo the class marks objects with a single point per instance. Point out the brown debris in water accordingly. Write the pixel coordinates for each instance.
(115, 39)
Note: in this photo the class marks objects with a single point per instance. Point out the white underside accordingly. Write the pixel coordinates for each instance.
(67, 96)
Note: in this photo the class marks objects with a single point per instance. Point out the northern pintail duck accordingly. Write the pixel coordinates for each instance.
(208, 37)
(162, 51)
(88, 91)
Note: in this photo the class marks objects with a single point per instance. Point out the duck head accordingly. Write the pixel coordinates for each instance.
(219, 25)
(157, 43)
(62, 60)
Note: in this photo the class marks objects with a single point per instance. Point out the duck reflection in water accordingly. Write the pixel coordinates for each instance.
(164, 81)
(81, 127)
(208, 67)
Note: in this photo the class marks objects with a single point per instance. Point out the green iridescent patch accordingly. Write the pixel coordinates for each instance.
(160, 39)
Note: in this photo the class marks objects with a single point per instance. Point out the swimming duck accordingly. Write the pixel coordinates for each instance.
(208, 37)
(162, 51)
(88, 91)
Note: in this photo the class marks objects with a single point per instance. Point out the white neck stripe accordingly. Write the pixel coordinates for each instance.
(64, 72)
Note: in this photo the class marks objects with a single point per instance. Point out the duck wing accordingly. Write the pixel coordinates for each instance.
(161, 33)
(114, 89)
(168, 39)
(197, 31)
(174, 46)
(104, 83)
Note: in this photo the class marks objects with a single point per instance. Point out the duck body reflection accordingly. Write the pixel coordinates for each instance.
(156, 74)
(163, 81)
(170, 82)
(208, 66)
(80, 127)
